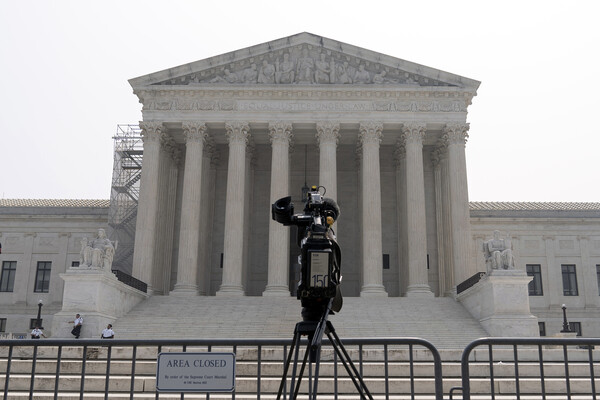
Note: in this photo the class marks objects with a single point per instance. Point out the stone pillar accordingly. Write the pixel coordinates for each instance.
(413, 135)
(165, 217)
(588, 272)
(145, 229)
(279, 235)
(450, 288)
(400, 158)
(210, 158)
(370, 137)
(439, 219)
(327, 138)
(169, 219)
(554, 274)
(248, 198)
(455, 136)
(189, 232)
(237, 134)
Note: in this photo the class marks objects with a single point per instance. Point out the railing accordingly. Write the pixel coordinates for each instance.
(461, 287)
(130, 280)
(504, 354)
(127, 368)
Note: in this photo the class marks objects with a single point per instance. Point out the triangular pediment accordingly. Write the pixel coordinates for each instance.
(304, 59)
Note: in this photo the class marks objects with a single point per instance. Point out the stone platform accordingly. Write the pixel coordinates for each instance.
(442, 321)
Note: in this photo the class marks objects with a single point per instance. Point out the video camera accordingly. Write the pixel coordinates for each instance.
(320, 255)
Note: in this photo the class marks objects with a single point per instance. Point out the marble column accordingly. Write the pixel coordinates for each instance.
(165, 216)
(189, 232)
(450, 288)
(439, 219)
(279, 235)
(146, 223)
(400, 160)
(207, 203)
(455, 136)
(237, 134)
(327, 138)
(370, 137)
(413, 135)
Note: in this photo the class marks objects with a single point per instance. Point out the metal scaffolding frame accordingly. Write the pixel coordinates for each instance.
(124, 194)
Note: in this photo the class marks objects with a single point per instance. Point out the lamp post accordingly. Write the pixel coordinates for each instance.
(566, 328)
(39, 321)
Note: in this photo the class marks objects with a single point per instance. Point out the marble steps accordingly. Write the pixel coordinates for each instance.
(271, 369)
(441, 320)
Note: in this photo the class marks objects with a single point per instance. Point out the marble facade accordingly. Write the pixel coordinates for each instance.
(303, 108)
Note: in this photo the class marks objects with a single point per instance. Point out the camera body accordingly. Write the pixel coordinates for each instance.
(320, 255)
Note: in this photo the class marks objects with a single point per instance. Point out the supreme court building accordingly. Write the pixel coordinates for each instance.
(227, 136)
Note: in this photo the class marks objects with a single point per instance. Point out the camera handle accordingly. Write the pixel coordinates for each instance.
(315, 330)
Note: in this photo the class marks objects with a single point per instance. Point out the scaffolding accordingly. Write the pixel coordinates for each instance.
(124, 195)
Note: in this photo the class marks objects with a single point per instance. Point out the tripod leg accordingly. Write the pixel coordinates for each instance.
(297, 388)
(339, 348)
(295, 343)
(317, 365)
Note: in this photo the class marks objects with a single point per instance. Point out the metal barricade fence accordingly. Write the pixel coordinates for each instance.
(502, 360)
(55, 368)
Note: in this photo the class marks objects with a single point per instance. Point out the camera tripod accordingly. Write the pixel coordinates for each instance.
(315, 330)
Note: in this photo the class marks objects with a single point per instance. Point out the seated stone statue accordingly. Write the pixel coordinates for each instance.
(97, 253)
(498, 253)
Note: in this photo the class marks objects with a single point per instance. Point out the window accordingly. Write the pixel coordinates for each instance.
(75, 264)
(2, 324)
(569, 278)
(575, 327)
(33, 323)
(598, 277)
(7, 279)
(386, 261)
(42, 276)
(542, 326)
(535, 286)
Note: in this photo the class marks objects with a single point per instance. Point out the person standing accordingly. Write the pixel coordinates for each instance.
(108, 333)
(78, 321)
(37, 333)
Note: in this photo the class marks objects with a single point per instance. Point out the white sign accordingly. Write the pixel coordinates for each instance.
(195, 372)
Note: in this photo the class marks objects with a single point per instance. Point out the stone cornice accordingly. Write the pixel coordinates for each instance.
(338, 99)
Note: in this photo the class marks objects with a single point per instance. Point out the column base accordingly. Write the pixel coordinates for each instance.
(373, 291)
(184, 290)
(230, 290)
(276, 291)
(423, 291)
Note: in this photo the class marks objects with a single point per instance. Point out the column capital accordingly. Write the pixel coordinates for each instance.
(413, 133)
(456, 133)
(399, 152)
(328, 132)
(237, 132)
(152, 130)
(194, 131)
(370, 132)
(169, 145)
(280, 132)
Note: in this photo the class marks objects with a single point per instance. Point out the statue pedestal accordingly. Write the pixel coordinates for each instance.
(98, 296)
(500, 302)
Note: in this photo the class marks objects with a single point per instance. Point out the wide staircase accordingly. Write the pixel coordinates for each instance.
(440, 320)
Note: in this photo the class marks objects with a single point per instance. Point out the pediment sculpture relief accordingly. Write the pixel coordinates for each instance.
(304, 65)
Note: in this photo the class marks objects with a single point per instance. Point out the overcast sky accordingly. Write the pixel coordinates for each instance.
(534, 135)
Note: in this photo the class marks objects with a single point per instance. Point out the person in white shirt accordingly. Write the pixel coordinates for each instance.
(36, 333)
(78, 321)
(108, 333)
